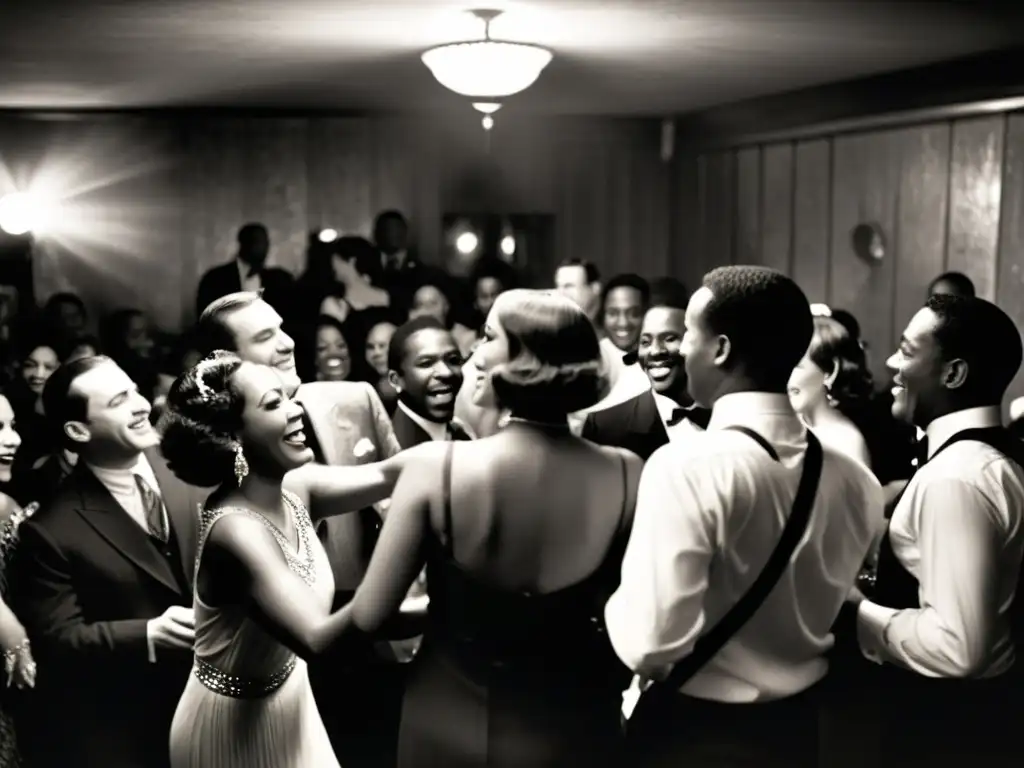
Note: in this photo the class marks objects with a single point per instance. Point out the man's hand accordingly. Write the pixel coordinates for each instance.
(176, 628)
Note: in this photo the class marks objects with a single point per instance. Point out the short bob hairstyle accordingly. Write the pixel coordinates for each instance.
(554, 363)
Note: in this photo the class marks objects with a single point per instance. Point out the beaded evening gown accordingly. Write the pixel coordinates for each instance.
(248, 703)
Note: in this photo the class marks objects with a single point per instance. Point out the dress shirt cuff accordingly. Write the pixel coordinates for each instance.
(150, 647)
(872, 624)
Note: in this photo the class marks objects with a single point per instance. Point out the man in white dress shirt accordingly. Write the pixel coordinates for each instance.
(709, 512)
(944, 616)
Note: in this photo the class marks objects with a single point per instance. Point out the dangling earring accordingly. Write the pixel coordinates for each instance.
(828, 395)
(241, 465)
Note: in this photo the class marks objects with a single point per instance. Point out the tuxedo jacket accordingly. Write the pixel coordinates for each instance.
(633, 424)
(278, 287)
(347, 425)
(408, 432)
(85, 579)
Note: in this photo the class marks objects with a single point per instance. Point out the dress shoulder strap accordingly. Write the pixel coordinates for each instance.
(446, 495)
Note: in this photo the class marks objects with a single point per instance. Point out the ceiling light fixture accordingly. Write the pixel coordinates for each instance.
(487, 71)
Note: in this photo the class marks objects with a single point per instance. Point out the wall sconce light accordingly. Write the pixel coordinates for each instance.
(869, 242)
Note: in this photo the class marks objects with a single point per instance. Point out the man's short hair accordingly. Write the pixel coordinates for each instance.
(61, 401)
(212, 331)
(628, 280)
(982, 335)
(400, 339)
(961, 283)
(669, 292)
(766, 317)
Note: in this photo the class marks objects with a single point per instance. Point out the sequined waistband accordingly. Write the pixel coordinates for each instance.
(241, 687)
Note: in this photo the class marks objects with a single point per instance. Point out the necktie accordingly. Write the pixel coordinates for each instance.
(455, 432)
(156, 515)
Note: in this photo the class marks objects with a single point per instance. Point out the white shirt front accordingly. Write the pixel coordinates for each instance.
(251, 283)
(959, 530)
(120, 483)
(709, 512)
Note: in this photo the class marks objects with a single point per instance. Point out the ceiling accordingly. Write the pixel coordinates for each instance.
(633, 57)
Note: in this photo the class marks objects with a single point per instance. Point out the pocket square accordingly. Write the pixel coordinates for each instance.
(364, 447)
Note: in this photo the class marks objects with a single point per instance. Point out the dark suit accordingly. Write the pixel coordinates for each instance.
(278, 287)
(409, 433)
(85, 580)
(633, 424)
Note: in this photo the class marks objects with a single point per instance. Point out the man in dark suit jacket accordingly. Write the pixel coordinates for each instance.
(248, 272)
(400, 268)
(425, 368)
(649, 420)
(102, 580)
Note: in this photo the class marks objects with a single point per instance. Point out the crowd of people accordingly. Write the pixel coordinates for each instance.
(376, 516)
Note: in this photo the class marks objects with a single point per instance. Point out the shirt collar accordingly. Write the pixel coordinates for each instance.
(666, 405)
(123, 480)
(436, 431)
(944, 427)
(742, 407)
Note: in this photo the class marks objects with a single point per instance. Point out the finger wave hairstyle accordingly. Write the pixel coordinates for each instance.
(833, 348)
(554, 364)
(202, 417)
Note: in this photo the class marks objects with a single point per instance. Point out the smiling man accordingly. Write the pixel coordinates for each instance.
(103, 581)
(945, 618)
(664, 412)
(425, 368)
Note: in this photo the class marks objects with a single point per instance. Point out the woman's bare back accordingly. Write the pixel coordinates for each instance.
(534, 512)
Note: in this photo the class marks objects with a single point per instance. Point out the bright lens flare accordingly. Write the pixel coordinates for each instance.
(328, 235)
(21, 213)
(466, 243)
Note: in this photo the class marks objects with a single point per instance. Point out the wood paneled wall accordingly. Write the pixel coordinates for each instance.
(947, 195)
(159, 199)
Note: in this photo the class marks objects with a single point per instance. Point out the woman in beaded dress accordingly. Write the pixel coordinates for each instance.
(263, 586)
(522, 534)
(19, 668)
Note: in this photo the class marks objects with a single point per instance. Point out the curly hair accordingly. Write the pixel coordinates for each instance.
(554, 364)
(202, 416)
(833, 348)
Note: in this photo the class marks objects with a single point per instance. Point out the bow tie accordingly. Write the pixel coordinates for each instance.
(698, 416)
(455, 432)
(630, 358)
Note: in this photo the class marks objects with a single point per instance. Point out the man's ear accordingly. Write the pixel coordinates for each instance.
(955, 375)
(78, 432)
(723, 349)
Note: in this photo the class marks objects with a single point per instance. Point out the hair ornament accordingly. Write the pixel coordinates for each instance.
(201, 369)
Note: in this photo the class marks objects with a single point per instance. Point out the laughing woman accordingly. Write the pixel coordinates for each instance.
(19, 668)
(263, 585)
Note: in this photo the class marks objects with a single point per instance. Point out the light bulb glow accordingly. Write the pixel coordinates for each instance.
(21, 213)
(466, 243)
(508, 245)
(328, 235)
